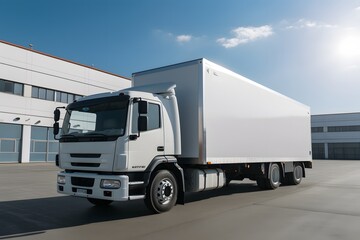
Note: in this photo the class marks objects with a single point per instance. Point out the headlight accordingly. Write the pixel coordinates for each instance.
(110, 184)
(61, 179)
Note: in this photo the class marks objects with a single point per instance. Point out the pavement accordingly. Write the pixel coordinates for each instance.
(324, 206)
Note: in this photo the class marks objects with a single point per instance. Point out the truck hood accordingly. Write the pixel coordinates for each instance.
(86, 156)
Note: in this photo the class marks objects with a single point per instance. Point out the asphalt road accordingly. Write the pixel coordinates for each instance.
(326, 205)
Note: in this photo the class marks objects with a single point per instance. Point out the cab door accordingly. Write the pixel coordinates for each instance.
(144, 146)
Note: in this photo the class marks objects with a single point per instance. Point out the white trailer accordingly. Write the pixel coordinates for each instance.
(188, 127)
(227, 118)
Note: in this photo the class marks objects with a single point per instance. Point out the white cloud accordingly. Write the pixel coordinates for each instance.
(245, 34)
(183, 38)
(305, 23)
(357, 9)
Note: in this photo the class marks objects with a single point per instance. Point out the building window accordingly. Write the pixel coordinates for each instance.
(317, 129)
(64, 98)
(70, 98)
(35, 92)
(318, 151)
(346, 151)
(8, 145)
(52, 95)
(354, 128)
(43, 145)
(11, 87)
(10, 142)
(18, 89)
(42, 93)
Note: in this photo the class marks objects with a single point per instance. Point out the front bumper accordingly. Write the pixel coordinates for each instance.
(87, 185)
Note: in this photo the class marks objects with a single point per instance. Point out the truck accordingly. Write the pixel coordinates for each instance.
(189, 127)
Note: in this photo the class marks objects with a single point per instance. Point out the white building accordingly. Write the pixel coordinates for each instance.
(32, 85)
(336, 136)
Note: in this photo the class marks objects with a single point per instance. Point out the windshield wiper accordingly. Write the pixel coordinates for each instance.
(68, 135)
(96, 134)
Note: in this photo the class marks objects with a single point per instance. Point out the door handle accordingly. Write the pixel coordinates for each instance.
(160, 148)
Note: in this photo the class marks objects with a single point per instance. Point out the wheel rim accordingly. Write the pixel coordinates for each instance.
(275, 175)
(165, 191)
(298, 173)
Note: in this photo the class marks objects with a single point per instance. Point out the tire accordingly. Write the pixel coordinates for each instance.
(99, 202)
(273, 180)
(295, 177)
(162, 192)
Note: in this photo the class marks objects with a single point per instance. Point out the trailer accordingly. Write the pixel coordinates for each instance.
(188, 127)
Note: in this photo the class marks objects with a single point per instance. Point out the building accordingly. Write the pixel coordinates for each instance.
(32, 85)
(336, 136)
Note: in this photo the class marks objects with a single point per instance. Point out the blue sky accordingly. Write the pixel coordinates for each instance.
(308, 50)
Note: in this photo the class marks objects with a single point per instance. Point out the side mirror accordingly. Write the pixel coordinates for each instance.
(143, 107)
(142, 123)
(56, 115)
(56, 128)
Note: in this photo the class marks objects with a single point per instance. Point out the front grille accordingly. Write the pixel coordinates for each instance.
(85, 155)
(78, 164)
(82, 182)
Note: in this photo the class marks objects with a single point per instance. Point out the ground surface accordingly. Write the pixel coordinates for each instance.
(326, 205)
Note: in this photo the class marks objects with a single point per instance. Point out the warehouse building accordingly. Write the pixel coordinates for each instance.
(32, 85)
(336, 136)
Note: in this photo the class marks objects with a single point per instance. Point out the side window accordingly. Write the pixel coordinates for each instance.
(153, 115)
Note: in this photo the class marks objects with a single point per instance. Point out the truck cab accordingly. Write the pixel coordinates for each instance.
(111, 143)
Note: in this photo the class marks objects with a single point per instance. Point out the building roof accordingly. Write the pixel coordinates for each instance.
(61, 59)
(344, 113)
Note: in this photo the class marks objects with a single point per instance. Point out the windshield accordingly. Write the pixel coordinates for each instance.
(96, 117)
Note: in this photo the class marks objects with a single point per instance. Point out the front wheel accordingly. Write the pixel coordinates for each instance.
(161, 194)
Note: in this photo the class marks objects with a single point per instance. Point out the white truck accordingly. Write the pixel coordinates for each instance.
(188, 127)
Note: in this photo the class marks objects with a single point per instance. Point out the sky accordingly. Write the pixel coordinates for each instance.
(308, 50)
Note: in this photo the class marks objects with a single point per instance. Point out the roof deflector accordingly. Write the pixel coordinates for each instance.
(158, 88)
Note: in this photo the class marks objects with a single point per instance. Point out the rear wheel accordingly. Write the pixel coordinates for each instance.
(295, 177)
(99, 202)
(273, 180)
(161, 194)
